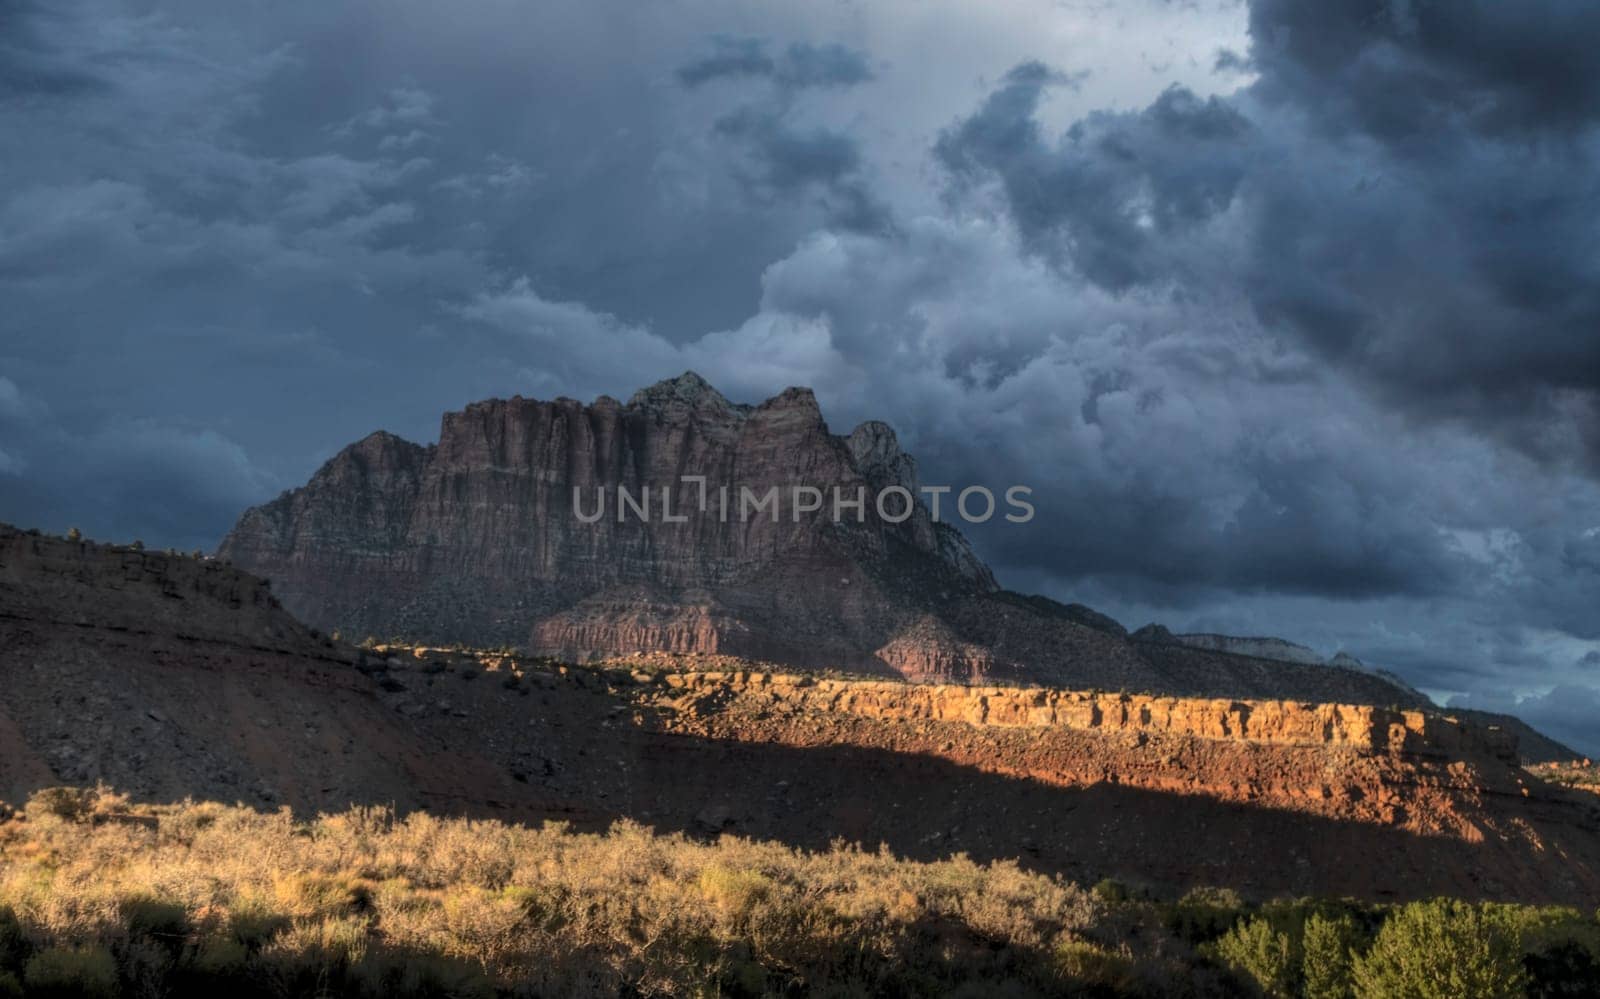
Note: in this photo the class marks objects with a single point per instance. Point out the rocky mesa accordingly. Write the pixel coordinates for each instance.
(477, 540)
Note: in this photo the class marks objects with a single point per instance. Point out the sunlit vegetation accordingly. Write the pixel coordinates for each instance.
(1580, 774)
(102, 898)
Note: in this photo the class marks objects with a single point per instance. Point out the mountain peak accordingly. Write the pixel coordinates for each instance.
(688, 388)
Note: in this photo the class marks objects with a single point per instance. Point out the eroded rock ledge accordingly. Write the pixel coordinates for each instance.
(1265, 722)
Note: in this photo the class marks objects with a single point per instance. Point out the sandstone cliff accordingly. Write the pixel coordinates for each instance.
(476, 540)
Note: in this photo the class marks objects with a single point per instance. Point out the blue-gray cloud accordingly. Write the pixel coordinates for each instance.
(800, 64)
(781, 159)
(1113, 193)
(1413, 190)
(1566, 712)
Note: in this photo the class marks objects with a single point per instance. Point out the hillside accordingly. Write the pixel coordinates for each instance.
(169, 677)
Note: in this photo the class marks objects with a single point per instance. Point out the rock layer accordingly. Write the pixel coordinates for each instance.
(1383, 730)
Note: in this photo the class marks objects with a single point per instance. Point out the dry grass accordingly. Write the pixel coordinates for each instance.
(193, 898)
(99, 898)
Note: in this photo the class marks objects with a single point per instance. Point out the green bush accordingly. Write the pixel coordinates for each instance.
(1204, 914)
(10, 988)
(1441, 949)
(1325, 957)
(1266, 955)
(71, 973)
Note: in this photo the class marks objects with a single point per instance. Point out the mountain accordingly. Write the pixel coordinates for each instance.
(491, 537)
(169, 677)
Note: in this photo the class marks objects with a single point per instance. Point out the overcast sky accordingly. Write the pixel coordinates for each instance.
(1288, 312)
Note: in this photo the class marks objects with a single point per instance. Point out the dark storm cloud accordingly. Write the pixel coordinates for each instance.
(1110, 195)
(130, 479)
(1406, 70)
(800, 65)
(30, 66)
(1171, 453)
(788, 161)
(785, 159)
(733, 57)
(1412, 188)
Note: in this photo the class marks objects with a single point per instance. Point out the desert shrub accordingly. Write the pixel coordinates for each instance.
(1442, 949)
(252, 923)
(1326, 954)
(1111, 891)
(1266, 955)
(734, 894)
(315, 895)
(1094, 967)
(71, 973)
(225, 900)
(145, 916)
(70, 804)
(316, 956)
(1203, 914)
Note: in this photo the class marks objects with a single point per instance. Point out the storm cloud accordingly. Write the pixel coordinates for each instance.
(1286, 311)
(1412, 190)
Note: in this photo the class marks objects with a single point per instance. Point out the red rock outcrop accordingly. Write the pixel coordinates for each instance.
(1360, 726)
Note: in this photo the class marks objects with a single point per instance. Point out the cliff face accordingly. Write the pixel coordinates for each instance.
(477, 540)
